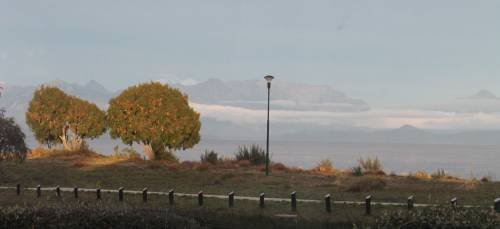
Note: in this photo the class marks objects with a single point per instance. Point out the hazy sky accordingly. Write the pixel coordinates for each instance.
(385, 52)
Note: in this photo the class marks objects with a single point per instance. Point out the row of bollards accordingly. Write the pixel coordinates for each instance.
(231, 196)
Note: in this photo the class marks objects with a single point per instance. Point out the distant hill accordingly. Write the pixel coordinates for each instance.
(285, 95)
(483, 101)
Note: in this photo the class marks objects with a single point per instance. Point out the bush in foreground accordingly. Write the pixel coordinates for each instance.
(90, 216)
(439, 217)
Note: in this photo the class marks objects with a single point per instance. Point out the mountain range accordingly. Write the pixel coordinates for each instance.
(287, 96)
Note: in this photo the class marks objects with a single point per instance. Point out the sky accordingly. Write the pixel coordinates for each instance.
(388, 53)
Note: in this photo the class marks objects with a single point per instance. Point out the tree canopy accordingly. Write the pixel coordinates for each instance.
(12, 143)
(155, 115)
(55, 117)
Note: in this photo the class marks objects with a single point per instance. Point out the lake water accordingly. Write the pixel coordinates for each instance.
(459, 160)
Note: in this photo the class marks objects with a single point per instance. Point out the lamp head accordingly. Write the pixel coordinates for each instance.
(269, 78)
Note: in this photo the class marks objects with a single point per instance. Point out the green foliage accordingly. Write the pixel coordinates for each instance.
(45, 115)
(370, 164)
(52, 115)
(357, 171)
(155, 115)
(211, 157)
(439, 217)
(254, 153)
(90, 215)
(85, 119)
(12, 145)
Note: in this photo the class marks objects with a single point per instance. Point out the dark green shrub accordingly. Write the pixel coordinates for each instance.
(439, 217)
(254, 153)
(12, 144)
(85, 215)
(370, 164)
(211, 157)
(357, 171)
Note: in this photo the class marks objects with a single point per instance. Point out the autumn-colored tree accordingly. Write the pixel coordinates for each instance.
(46, 114)
(55, 117)
(83, 120)
(155, 115)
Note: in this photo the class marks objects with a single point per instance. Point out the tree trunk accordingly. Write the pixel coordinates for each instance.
(70, 140)
(148, 151)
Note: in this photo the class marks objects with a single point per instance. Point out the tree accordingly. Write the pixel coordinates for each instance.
(155, 115)
(55, 117)
(12, 145)
(83, 120)
(45, 115)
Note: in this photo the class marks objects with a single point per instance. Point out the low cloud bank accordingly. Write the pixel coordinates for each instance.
(375, 118)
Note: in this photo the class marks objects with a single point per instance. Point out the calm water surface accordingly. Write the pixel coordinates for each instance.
(460, 160)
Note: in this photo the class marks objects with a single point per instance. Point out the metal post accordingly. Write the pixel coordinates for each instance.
(120, 194)
(293, 199)
(38, 191)
(145, 195)
(368, 205)
(262, 197)
(98, 193)
(497, 205)
(231, 199)
(171, 197)
(75, 190)
(454, 202)
(18, 189)
(58, 192)
(267, 143)
(328, 203)
(411, 201)
(200, 198)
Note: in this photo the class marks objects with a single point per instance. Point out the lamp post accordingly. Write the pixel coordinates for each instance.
(268, 78)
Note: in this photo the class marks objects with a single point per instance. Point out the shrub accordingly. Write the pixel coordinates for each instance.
(210, 157)
(370, 164)
(12, 145)
(357, 171)
(89, 215)
(366, 184)
(422, 175)
(254, 153)
(324, 166)
(439, 174)
(486, 179)
(439, 217)
(279, 167)
(127, 153)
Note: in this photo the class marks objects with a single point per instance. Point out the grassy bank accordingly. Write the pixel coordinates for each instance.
(95, 171)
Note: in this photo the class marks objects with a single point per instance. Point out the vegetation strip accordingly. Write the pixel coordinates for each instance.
(236, 197)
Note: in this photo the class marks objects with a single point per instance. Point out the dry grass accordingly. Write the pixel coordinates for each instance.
(365, 184)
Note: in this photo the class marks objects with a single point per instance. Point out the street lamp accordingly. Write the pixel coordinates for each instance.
(268, 78)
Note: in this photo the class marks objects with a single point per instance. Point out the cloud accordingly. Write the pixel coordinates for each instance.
(173, 79)
(376, 118)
